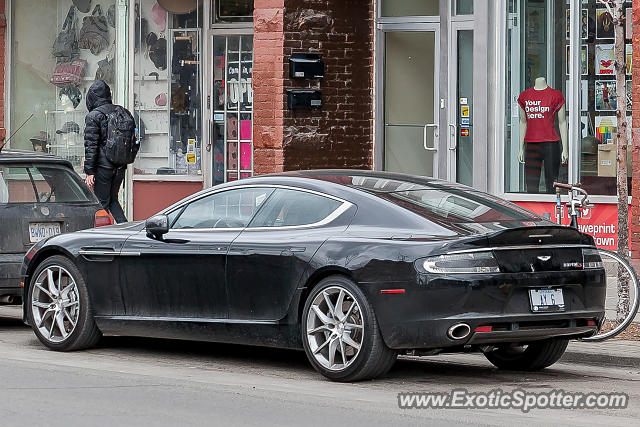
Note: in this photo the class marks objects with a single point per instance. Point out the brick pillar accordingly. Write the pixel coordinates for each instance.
(267, 81)
(3, 29)
(634, 212)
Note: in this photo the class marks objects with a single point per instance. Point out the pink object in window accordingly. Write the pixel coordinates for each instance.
(245, 129)
(245, 155)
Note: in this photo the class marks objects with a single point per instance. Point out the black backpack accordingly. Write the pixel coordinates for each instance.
(120, 143)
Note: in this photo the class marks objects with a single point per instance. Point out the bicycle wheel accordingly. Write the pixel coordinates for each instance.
(628, 273)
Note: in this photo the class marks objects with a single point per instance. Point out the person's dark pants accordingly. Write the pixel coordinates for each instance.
(107, 185)
(535, 154)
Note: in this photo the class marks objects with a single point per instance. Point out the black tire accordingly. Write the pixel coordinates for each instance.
(537, 355)
(374, 358)
(86, 333)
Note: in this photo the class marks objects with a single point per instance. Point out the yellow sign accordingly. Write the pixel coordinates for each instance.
(464, 111)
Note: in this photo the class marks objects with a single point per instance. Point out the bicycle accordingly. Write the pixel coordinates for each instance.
(579, 198)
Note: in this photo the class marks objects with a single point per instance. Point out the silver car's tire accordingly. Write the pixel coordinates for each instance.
(58, 306)
(340, 333)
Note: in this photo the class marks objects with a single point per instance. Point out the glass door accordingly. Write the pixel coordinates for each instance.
(411, 133)
(460, 122)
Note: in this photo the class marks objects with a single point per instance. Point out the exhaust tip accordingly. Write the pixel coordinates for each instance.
(459, 331)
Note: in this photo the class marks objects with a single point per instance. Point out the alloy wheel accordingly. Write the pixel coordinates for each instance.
(55, 303)
(335, 328)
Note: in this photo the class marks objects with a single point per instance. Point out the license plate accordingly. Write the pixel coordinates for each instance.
(546, 300)
(41, 230)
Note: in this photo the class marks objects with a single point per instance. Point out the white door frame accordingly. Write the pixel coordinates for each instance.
(382, 29)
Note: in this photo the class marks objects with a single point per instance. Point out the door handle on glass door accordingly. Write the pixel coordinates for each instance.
(452, 136)
(435, 136)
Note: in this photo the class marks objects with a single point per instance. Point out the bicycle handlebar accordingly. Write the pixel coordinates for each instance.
(562, 185)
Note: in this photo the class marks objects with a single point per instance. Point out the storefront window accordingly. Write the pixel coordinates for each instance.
(464, 7)
(410, 7)
(537, 146)
(168, 89)
(232, 108)
(229, 11)
(58, 49)
(598, 90)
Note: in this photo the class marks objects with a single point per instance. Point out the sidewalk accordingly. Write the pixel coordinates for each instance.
(619, 353)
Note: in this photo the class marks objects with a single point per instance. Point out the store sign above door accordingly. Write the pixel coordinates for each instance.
(306, 66)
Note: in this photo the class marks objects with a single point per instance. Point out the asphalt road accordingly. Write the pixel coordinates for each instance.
(144, 382)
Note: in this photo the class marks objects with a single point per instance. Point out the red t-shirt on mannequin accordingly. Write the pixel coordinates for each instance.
(541, 107)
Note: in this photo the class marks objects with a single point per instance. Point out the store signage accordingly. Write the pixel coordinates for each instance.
(601, 221)
(464, 111)
(464, 132)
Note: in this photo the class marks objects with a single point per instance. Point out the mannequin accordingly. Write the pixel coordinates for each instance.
(539, 142)
(66, 104)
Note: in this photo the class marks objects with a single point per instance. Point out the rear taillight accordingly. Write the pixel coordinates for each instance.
(591, 258)
(474, 262)
(103, 218)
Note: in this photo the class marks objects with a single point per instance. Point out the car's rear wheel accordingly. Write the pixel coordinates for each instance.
(59, 310)
(340, 333)
(532, 357)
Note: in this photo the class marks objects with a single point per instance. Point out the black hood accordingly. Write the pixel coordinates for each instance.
(98, 94)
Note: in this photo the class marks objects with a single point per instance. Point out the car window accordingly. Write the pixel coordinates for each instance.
(41, 183)
(227, 209)
(292, 207)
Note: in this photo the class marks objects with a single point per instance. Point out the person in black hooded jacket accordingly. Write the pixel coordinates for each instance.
(102, 176)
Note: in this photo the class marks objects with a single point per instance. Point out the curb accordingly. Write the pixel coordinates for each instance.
(619, 353)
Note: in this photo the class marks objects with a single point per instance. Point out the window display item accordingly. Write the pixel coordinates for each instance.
(245, 155)
(161, 99)
(69, 73)
(232, 155)
(607, 160)
(606, 95)
(604, 24)
(157, 51)
(111, 16)
(69, 127)
(106, 68)
(72, 94)
(65, 46)
(83, 6)
(541, 107)
(232, 128)
(540, 144)
(180, 6)
(159, 16)
(94, 34)
(605, 59)
(40, 142)
(178, 98)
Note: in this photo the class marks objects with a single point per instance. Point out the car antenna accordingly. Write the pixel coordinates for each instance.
(16, 131)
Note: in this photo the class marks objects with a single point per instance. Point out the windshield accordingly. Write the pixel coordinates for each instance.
(42, 183)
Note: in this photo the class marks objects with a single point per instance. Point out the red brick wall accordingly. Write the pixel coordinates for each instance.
(634, 213)
(340, 135)
(267, 81)
(3, 28)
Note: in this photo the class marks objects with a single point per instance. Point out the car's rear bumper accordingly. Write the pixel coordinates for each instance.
(10, 274)
(420, 317)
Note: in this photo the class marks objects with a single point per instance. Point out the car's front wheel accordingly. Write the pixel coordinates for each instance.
(340, 333)
(532, 357)
(58, 306)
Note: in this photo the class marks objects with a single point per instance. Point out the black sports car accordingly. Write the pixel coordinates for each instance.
(353, 266)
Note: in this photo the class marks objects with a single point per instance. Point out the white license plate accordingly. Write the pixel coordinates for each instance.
(546, 300)
(41, 230)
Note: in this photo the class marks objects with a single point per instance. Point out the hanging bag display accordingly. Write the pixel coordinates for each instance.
(106, 67)
(65, 46)
(69, 73)
(94, 34)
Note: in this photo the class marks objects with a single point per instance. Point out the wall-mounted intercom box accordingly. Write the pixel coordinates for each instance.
(304, 99)
(306, 65)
